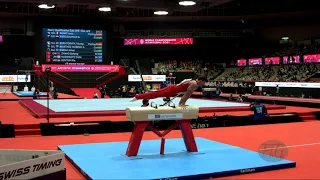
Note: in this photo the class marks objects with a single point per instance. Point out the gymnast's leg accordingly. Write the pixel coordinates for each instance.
(168, 91)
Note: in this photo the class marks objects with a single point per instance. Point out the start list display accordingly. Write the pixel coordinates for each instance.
(73, 45)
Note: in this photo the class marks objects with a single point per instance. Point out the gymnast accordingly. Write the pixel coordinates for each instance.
(187, 86)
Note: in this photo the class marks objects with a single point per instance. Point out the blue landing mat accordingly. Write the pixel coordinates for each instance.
(67, 105)
(214, 159)
(28, 94)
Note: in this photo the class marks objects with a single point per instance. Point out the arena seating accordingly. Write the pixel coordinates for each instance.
(287, 72)
(292, 72)
(211, 70)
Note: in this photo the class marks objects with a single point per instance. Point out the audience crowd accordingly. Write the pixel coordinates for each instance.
(292, 72)
(211, 70)
(295, 49)
(283, 72)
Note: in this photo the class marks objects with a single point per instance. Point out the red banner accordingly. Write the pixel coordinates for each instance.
(157, 41)
(312, 58)
(242, 62)
(255, 61)
(80, 68)
(291, 59)
(274, 60)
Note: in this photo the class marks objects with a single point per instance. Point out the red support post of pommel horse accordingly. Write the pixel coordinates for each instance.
(142, 116)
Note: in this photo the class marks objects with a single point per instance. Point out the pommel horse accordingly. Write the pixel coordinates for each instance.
(142, 116)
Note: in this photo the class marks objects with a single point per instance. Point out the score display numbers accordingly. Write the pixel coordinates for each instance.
(73, 45)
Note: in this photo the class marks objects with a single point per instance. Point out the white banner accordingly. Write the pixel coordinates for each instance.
(147, 78)
(23, 164)
(288, 84)
(14, 78)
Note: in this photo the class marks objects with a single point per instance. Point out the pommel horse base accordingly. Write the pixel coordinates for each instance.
(142, 116)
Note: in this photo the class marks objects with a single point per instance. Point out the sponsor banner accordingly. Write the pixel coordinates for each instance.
(242, 62)
(312, 58)
(274, 60)
(255, 61)
(165, 116)
(11, 156)
(14, 78)
(147, 78)
(80, 68)
(157, 41)
(200, 125)
(288, 84)
(291, 59)
(37, 166)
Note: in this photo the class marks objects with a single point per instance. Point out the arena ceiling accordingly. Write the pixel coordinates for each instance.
(127, 10)
(171, 5)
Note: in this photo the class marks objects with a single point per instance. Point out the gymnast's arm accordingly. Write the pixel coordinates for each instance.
(186, 80)
(192, 87)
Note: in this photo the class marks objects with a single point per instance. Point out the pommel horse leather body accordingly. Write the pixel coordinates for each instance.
(161, 113)
(142, 116)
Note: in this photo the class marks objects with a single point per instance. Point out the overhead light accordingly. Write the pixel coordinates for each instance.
(46, 6)
(187, 3)
(105, 9)
(161, 13)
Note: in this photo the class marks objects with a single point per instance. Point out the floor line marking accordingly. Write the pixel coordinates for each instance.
(292, 146)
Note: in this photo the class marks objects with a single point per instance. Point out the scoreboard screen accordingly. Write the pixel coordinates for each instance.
(73, 45)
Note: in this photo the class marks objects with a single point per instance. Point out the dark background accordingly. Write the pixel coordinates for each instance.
(243, 29)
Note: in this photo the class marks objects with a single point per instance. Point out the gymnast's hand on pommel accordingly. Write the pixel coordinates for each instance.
(182, 106)
(192, 87)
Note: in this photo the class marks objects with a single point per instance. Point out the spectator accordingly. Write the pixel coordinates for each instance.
(260, 111)
(231, 97)
(132, 92)
(103, 91)
(36, 93)
(277, 90)
(55, 93)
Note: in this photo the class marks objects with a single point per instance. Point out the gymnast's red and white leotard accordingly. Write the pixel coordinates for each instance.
(169, 91)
